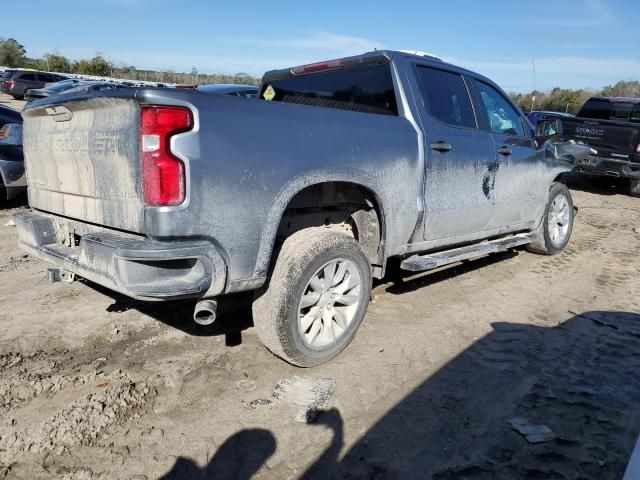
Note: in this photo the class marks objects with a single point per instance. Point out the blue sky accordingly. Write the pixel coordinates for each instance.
(579, 43)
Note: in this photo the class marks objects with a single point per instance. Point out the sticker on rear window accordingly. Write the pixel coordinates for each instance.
(269, 93)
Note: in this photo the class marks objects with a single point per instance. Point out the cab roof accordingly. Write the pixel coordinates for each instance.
(376, 56)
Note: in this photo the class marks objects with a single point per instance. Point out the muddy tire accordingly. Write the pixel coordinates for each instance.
(557, 223)
(634, 187)
(316, 297)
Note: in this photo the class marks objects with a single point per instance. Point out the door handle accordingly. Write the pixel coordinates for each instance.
(504, 151)
(441, 147)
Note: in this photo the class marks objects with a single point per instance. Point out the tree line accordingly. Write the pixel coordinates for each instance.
(570, 101)
(13, 54)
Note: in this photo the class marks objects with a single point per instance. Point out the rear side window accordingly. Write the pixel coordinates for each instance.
(367, 89)
(606, 110)
(447, 97)
(28, 76)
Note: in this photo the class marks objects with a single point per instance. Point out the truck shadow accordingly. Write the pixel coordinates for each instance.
(234, 314)
(598, 185)
(16, 202)
(581, 379)
(234, 311)
(397, 281)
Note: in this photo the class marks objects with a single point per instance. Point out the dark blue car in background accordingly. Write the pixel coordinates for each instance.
(537, 116)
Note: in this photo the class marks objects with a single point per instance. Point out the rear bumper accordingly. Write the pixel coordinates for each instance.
(137, 267)
(594, 165)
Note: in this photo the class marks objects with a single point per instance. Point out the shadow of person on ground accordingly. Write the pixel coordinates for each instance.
(580, 379)
(239, 458)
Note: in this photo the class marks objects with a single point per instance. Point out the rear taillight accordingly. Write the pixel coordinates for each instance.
(163, 175)
(638, 148)
(11, 83)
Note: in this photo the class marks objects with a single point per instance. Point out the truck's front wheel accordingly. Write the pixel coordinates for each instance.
(316, 298)
(557, 223)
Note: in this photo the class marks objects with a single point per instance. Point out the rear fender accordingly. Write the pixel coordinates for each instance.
(293, 187)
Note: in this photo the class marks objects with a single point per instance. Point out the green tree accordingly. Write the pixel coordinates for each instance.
(12, 54)
(98, 65)
(622, 89)
(55, 63)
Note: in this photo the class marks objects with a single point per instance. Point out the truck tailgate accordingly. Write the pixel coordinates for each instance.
(608, 137)
(82, 161)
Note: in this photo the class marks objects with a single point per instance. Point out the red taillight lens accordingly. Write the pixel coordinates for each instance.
(317, 67)
(163, 177)
(638, 148)
(11, 83)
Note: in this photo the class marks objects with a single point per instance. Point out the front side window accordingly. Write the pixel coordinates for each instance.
(447, 97)
(503, 118)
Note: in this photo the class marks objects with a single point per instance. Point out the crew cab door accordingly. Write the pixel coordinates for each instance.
(460, 159)
(519, 191)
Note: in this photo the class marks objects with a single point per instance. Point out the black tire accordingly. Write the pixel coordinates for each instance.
(276, 307)
(634, 187)
(545, 246)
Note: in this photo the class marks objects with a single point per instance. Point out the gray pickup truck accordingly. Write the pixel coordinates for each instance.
(301, 195)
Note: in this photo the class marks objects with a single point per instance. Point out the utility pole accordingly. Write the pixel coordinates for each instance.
(533, 101)
(533, 63)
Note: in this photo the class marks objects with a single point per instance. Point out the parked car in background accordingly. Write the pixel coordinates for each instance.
(247, 91)
(537, 116)
(15, 82)
(87, 86)
(11, 157)
(300, 196)
(611, 125)
(52, 89)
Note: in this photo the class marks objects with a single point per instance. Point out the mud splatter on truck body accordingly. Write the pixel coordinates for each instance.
(359, 145)
(85, 165)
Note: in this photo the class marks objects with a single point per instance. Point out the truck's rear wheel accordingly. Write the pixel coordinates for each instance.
(316, 297)
(557, 222)
(634, 187)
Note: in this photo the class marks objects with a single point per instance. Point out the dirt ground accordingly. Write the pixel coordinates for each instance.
(448, 373)
(9, 101)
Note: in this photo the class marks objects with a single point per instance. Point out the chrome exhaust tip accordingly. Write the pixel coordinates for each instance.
(205, 312)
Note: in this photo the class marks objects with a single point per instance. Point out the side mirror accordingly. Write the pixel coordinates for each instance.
(546, 129)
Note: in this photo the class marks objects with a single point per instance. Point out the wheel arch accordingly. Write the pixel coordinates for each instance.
(350, 178)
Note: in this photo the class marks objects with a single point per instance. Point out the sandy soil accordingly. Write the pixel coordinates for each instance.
(94, 385)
